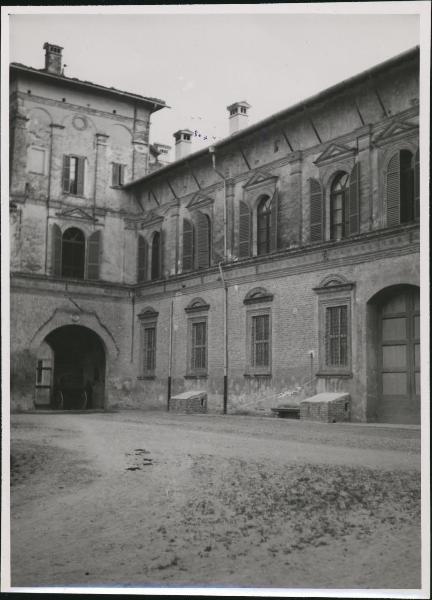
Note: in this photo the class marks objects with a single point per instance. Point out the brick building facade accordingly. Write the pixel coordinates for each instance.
(282, 261)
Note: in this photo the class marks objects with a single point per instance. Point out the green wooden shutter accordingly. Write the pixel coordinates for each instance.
(203, 241)
(142, 259)
(56, 250)
(274, 221)
(188, 245)
(316, 211)
(80, 176)
(417, 185)
(94, 247)
(393, 190)
(66, 173)
(354, 200)
(244, 230)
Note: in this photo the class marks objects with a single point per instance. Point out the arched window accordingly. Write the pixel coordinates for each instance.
(339, 207)
(188, 245)
(142, 259)
(264, 226)
(203, 241)
(156, 256)
(403, 191)
(73, 253)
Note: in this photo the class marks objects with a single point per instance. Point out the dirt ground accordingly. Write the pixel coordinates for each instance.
(150, 499)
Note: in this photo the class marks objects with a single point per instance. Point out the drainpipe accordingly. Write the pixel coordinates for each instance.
(171, 324)
(212, 151)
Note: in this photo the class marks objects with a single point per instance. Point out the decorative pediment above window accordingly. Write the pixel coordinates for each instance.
(200, 201)
(336, 283)
(76, 213)
(394, 131)
(197, 305)
(334, 152)
(150, 220)
(147, 314)
(258, 295)
(259, 178)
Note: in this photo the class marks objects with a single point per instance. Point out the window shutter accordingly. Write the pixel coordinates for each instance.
(244, 230)
(142, 259)
(354, 200)
(115, 174)
(417, 185)
(274, 219)
(316, 211)
(80, 176)
(93, 255)
(56, 249)
(66, 173)
(393, 191)
(121, 174)
(203, 241)
(161, 253)
(188, 245)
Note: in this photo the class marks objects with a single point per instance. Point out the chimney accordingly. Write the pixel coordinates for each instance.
(238, 116)
(53, 58)
(183, 143)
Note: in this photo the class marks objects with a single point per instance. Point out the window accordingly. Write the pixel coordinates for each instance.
(198, 346)
(73, 256)
(73, 175)
(118, 173)
(264, 226)
(142, 259)
(156, 256)
(36, 160)
(316, 211)
(73, 253)
(258, 331)
(149, 349)
(403, 188)
(188, 245)
(344, 204)
(203, 241)
(260, 338)
(336, 342)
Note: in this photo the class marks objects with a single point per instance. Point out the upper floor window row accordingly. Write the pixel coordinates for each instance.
(73, 174)
(197, 242)
(265, 226)
(150, 257)
(74, 256)
(403, 188)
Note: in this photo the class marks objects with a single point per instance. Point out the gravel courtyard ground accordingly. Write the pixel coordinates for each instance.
(141, 499)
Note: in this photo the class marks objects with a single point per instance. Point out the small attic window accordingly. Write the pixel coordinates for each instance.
(28, 91)
(243, 110)
(187, 136)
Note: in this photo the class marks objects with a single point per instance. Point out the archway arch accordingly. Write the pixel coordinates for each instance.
(393, 354)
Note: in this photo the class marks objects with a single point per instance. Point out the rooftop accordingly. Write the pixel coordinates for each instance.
(155, 103)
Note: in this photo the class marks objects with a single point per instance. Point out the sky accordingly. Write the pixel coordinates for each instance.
(201, 63)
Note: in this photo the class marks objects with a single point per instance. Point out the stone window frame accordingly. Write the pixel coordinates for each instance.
(197, 310)
(148, 320)
(333, 292)
(258, 302)
(45, 154)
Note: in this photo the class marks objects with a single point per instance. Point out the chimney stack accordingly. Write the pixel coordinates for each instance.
(238, 116)
(53, 58)
(183, 143)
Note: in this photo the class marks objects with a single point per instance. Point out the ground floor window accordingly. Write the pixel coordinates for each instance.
(198, 353)
(335, 331)
(259, 342)
(149, 350)
(336, 346)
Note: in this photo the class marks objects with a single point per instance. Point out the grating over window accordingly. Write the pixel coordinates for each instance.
(260, 341)
(199, 346)
(336, 349)
(149, 349)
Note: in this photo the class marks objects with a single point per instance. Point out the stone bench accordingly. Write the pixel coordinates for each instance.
(327, 407)
(188, 402)
(287, 412)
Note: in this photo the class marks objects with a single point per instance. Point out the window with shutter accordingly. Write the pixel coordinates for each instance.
(80, 177)
(156, 256)
(188, 245)
(339, 207)
(66, 173)
(316, 211)
(93, 255)
(354, 200)
(56, 249)
(274, 219)
(117, 174)
(393, 191)
(73, 253)
(73, 175)
(203, 241)
(142, 259)
(403, 198)
(244, 230)
(264, 226)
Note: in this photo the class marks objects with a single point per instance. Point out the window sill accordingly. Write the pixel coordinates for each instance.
(266, 375)
(74, 195)
(343, 374)
(146, 377)
(196, 376)
(117, 187)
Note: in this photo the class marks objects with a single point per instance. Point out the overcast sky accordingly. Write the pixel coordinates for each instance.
(199, 64)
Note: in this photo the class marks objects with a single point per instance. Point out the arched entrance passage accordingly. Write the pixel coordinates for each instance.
(394, 355)
(71, 369)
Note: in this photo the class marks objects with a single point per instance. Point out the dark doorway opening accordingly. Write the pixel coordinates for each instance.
(78, 377)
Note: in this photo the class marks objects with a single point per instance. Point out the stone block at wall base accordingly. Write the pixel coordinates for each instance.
(326, 408)
(189, 402)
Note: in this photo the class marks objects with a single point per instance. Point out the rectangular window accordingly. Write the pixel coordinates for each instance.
(73, 175)
(198, 347)
(36, 160)
(149, 350)
(336, 342)
(260, 337)
(118, 173)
